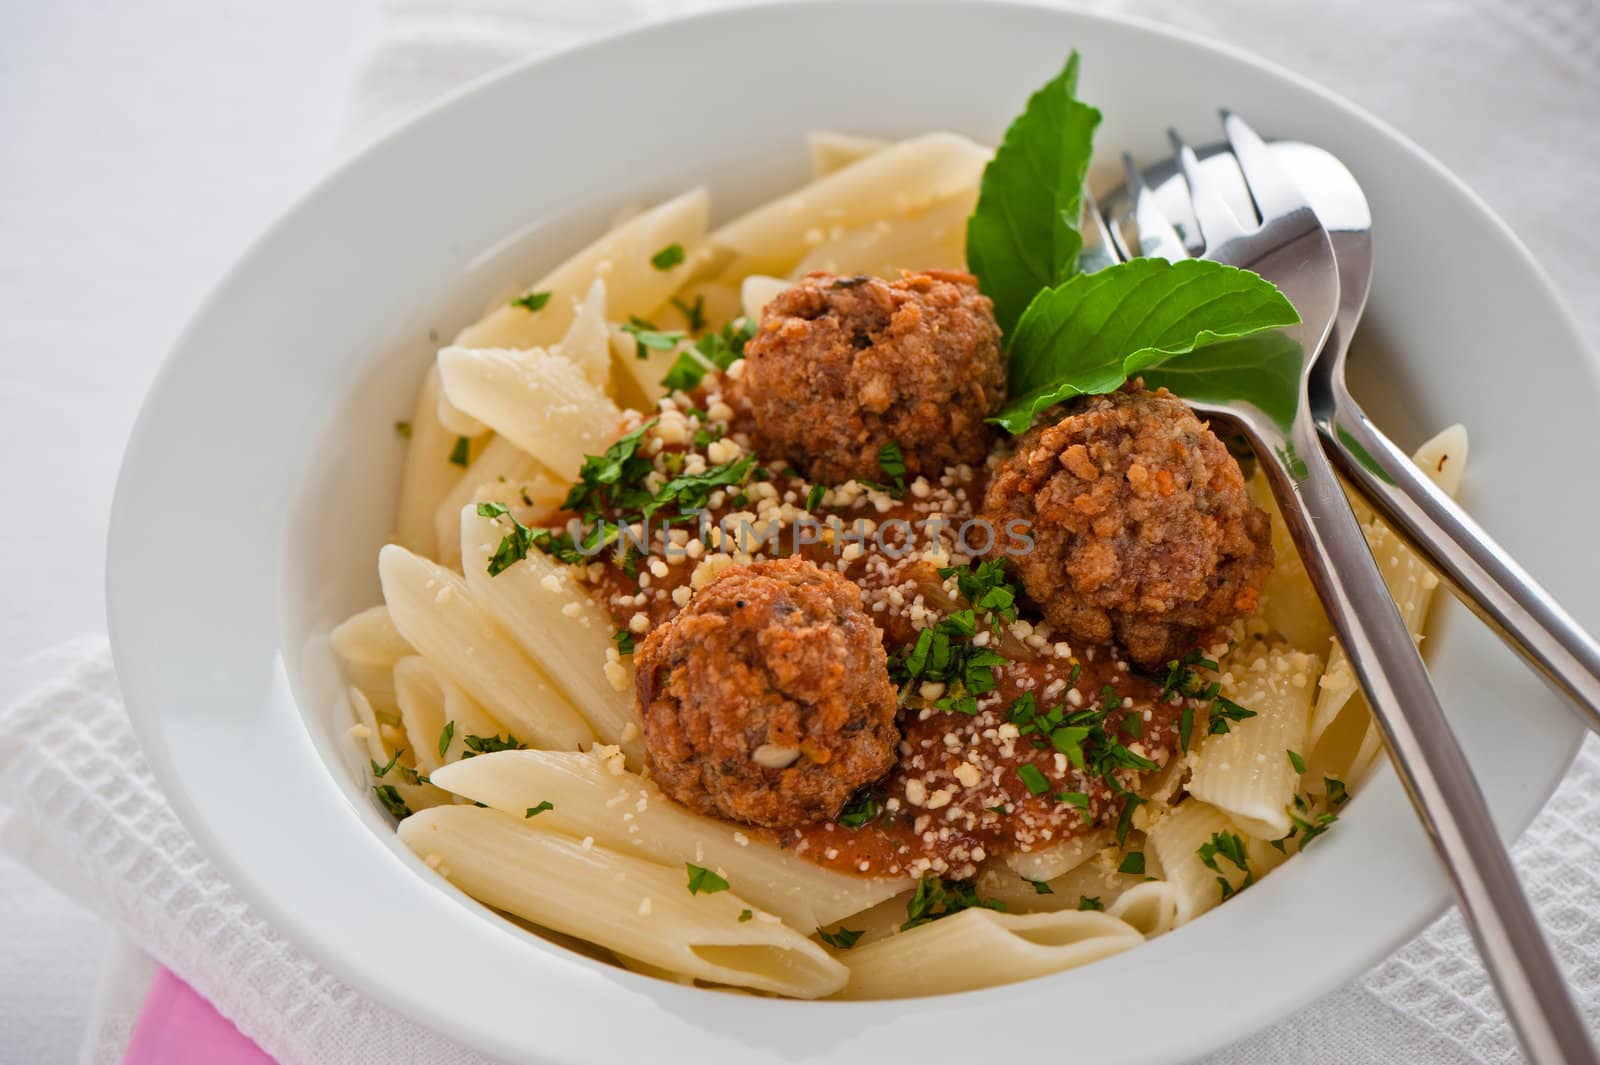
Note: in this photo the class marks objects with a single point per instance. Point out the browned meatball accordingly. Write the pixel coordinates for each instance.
(842, 366)
(767, 700)
(1142, 528)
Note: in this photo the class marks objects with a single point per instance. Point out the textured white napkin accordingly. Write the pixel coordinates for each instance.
(85, 812)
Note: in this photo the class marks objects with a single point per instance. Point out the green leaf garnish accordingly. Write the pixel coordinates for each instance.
(694, 313)
(1033, 779)
(1040, 887)
(842, 937)
(389, 795)
(533, 301)
(745, 915)
(647, 338)
(1090, 902)
(1023, 235)
(704, 881)
(489, 744)
(460, 453)
(1132, 863)
(864, 807)
(667, 257)
(624, 640)
(535, 811)
(936, 898)
(1297, 761)
(1091, 333)
(403, 429)
(718, 351)
(445, 736)
(1263, 369)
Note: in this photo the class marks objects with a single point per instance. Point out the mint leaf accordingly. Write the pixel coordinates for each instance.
(1023, 235)
(1089, 334)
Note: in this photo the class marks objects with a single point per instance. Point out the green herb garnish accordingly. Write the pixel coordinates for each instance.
(1040, 887)
(489, 744)
(389, 795)
(843, 938)
(714, 351)
(459, 455)
(864, 807)
(814, 497)
(1090, 902)
(535, 811)
(647, 338)
(445, 737)
(745, 915)
(533, 301)
(893, 464)
(936, 898)
(667, 257)
(704, 881)
(1132, 863)
(1298, 762)
(624, 639)
(1231, 846)
(404, 429)
(1033, 779)
(694, 313)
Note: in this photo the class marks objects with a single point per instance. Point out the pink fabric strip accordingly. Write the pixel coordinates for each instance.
(178, 1027)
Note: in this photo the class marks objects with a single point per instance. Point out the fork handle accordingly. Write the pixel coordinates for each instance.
(1477, 569)
(1421, 745)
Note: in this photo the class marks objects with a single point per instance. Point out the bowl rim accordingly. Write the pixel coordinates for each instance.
(144, 704)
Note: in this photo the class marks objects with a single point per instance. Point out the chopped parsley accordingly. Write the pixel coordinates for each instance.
(533, 301)
(1080, 799)
(864, 807)
(381, 771)
(625, 641)
(1033, 779)
(1183, 681)
(1305, 822)
(404, 429)
(745, 915)
(489, 744)
(535, 811)
(1298, 762)
(389, 795)
(647, 338)
(1337, 793)
(1130, 803)
(892, 461)
(945, 654)
(987, 588)
(694, 313)
(714, 351)
(459, 454)
(1228, 845)
(843, 938)
(1090, 902)
(704, 881)
(667, 257)
(936, 898)
(1132, 863)
(814, 497)
(445, 736)
(1040, 887)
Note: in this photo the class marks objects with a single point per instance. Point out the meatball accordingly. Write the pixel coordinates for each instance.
(842, 366)
(767, 700)
(1142, 529)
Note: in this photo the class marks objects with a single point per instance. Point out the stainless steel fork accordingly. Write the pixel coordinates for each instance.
(1289, 247)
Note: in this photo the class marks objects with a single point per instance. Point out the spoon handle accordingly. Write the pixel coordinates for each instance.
(1482, 575)
(1424, 750)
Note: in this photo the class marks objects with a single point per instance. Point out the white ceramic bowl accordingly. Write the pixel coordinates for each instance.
(261, 479)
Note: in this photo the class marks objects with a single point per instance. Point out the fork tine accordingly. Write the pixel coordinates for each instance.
(1272, 190)
(1157, 238)
(1218, 224)
(1099, 250)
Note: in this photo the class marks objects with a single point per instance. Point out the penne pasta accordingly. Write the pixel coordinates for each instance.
(370, 638)
(587, 341)
(559, 626)
(430, 702)
(429, 473)
(934, 238)
(899, 180)
(831, 150)
(1176, 841)
(501, 464)
(627, 904)
(435, 611)
(758, 290)
(1059, 858)
(1151, 908)
(1247, 772)
(622, 257)
(594, 795)
(981, 948)
(540, 402)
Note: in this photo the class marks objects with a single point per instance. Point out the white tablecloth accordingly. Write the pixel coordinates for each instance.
(144, 144)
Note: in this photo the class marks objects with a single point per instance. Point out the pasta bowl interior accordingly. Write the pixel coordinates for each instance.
(266, 472)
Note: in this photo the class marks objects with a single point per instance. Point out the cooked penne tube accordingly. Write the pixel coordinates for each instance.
(1247, 772)
(757, 290)
(435, 611)
(430, 702)
(540, 402)
(634, 286)
(559, 626)
(901, 179)
(1151, 908)
(370, 638)
(981, 948)
(931, 239)
(500, 463)
(1176, 841)
(429, 473)
(831, 150)
(1059, 858)
(594, 795)
(587, 341)
(625, 903)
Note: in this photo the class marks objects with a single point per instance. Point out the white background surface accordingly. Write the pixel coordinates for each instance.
(143, 144)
